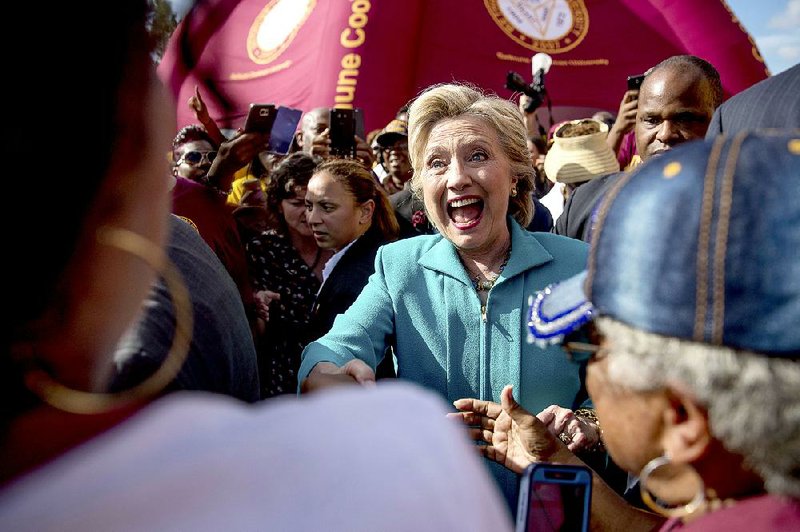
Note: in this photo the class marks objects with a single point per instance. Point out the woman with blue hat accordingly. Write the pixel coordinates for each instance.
(687, 320)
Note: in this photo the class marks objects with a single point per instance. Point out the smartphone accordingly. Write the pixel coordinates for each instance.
(283, 130)
(342, 133)
(634, 82)
(259, 118)
(554, 497)
(358, 116)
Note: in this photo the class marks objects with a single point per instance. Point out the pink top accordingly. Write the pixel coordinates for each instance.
(757, 514)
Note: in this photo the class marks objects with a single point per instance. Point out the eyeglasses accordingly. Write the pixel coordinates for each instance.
(583, 345)
(195, 158)
(580, 352)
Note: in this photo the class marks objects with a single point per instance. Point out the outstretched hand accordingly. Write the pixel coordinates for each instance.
(327, 375)
(513, 436)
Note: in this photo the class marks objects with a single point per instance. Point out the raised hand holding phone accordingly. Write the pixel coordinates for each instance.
(342, 133)
(283, 130)
(260, 118)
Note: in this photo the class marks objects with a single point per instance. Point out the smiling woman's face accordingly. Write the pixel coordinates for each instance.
(467, 183)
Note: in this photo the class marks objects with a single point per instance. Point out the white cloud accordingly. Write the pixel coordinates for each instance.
(778, 40)
(790, 53)
(789, 18)
(782, 48)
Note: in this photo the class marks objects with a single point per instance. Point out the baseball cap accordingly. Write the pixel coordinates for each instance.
(701, 243)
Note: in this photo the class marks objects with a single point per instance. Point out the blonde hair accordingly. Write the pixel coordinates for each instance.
(753, 401)
(453, 100)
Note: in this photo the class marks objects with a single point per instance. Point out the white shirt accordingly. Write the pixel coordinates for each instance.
(554, 200)
(353, 459)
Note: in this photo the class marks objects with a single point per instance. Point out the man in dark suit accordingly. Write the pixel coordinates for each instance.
(676, 102)
(575, 221)
(771, 103)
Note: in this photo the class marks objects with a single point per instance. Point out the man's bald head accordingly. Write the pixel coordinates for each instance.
(676, 101)
(314, 122)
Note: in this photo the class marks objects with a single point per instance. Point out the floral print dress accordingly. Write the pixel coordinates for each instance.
(275, 265)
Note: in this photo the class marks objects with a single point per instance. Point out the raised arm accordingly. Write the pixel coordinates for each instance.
(200, 109)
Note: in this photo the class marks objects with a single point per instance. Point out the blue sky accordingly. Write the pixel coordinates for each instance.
(775, 25)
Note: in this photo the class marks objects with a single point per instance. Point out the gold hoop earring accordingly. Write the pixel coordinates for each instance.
(74, 401)
(699, 500)
(514, 192)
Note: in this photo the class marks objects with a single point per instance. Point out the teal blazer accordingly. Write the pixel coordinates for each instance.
(422, 303)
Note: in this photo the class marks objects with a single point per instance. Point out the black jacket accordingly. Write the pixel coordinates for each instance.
(343, 286)
(770, 103)
(575, 221)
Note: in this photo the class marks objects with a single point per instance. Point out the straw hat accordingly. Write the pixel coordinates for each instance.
(579, 152)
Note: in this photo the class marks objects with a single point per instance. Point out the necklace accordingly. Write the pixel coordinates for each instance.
(485, 286)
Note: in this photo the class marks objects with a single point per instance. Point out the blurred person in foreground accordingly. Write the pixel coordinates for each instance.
(694, 372)
(451, 305)
(73, 459)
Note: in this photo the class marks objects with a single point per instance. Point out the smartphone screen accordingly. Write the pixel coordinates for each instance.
(554, 498)
(342, 132)
(283, 130)
(259, 118)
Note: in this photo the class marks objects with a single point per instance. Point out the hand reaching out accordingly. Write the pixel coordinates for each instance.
(326, 375)
(514, 437)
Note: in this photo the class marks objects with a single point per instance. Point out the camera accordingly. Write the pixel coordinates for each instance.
(540, 65)
(534, 91)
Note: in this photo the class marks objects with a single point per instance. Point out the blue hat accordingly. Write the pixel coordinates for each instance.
(701, 243)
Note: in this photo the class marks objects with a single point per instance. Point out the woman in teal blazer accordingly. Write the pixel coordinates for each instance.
(452, 305)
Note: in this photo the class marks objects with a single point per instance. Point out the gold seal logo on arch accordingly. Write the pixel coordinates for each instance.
(275, 27)
(551, 26)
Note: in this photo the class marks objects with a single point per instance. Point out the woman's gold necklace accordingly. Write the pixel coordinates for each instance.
(485, 286)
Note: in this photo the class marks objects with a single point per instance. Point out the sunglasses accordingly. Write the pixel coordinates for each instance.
(196, 157)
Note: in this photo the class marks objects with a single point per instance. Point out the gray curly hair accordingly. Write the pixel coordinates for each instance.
(453, 100)
(753, 401)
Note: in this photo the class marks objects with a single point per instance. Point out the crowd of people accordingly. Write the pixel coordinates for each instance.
(618, 293)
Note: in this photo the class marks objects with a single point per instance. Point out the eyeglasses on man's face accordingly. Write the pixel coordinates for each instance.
(196, 158)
